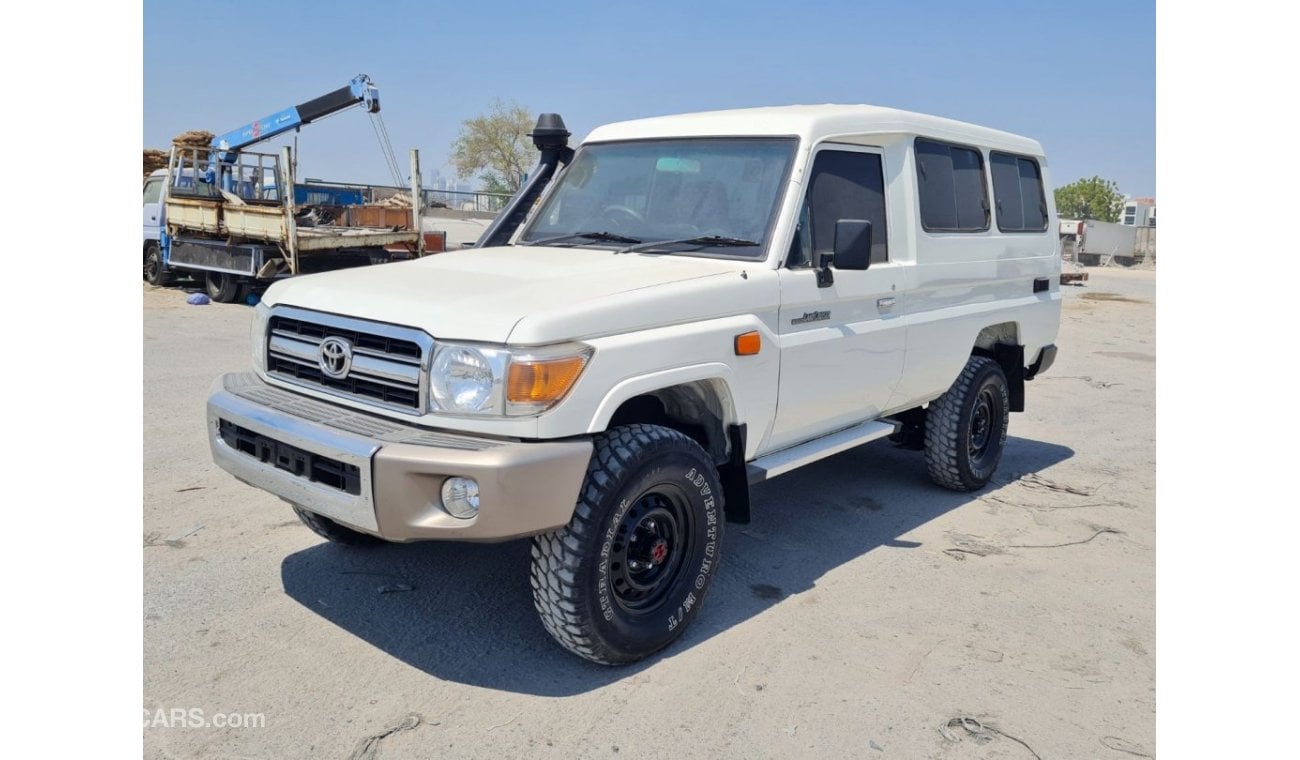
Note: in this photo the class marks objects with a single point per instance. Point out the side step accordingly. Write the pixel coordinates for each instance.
(785, 460)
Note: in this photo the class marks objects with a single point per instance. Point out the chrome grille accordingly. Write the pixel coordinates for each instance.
(388, 363)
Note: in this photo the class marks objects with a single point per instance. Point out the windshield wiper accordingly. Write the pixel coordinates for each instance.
(604, 237)
(700, 240)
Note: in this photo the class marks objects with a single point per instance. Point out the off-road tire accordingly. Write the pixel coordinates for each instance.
(223, 287)
(976, 408)
(155, 272)
(586, 585)
(328, 529)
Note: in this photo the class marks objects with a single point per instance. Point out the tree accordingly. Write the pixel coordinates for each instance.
(1093, 198)
(495, 147)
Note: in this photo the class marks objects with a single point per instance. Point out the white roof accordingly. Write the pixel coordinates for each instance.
(812, 123)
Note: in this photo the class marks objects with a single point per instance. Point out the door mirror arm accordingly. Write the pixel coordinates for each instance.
(822, 265)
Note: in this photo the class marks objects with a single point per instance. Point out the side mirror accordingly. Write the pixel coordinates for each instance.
(852, 244)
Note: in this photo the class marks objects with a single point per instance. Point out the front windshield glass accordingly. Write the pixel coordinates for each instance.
(723, 191)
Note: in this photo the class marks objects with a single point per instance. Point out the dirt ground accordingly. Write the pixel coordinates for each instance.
(858, 615)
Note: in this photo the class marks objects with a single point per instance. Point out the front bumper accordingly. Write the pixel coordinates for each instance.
(384, 478)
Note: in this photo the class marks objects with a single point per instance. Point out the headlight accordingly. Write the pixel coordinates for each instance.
(261, 317)
(464, 380)
(475, 379)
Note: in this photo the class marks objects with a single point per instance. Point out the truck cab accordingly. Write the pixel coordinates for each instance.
(688, 306)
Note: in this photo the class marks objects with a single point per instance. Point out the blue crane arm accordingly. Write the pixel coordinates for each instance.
(359, 90)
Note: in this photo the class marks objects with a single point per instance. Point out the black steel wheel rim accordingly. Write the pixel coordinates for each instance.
(983, 422)
(651, 544)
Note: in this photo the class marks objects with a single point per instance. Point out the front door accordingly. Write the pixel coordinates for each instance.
(841, 346)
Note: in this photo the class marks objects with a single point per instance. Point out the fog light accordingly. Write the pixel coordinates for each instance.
(460, 497)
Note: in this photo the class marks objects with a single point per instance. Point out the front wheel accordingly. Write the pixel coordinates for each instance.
(966, 427)
(155, 272)
(629, 572)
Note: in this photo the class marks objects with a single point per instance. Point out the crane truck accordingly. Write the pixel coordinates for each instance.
(227, 215)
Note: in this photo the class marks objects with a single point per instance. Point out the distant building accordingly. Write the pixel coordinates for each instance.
(1139, 212)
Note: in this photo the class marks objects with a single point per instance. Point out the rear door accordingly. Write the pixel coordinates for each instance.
(152, 208)
(841, 346)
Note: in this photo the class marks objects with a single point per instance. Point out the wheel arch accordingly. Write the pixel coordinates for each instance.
(701, 407)
(698, 402)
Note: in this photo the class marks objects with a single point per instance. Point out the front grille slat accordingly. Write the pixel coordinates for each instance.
(383, 344)
(387, 367)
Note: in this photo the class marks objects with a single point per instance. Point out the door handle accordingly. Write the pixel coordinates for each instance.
(886, 303)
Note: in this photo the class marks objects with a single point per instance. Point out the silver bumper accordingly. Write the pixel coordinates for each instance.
(356, 510)
(392, 474)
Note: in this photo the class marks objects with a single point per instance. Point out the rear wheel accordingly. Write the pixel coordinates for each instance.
(966, 427)
(628, 573)
(155, 273)
(223, 287)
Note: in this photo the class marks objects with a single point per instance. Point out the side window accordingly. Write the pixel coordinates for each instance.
(843, 185)
(951, 180)
(153, 191)
(1018, 193)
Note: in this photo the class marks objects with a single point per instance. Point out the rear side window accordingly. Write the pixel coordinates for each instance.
(153, 191)
(1018, 193)
(953, 195)
(843, 185)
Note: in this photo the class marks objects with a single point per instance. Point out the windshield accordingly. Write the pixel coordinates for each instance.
(721, 191)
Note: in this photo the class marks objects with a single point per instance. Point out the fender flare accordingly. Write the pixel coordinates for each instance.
(631, 387)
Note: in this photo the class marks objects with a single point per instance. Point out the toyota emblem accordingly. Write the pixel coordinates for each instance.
(335, 357)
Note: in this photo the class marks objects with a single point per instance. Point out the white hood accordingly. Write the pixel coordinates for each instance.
(522, 294)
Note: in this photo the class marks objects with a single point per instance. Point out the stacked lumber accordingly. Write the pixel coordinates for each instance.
(397, 201)
(154, 160)
(195, 138)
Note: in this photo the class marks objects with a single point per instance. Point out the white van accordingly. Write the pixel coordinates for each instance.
(684, 307)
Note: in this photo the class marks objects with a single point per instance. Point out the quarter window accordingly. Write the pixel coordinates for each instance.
(953, 194)
(1018, 193)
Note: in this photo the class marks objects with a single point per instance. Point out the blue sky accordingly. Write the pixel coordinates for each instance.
(1081, 81)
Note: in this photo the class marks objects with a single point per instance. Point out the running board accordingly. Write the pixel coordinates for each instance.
(785, 460)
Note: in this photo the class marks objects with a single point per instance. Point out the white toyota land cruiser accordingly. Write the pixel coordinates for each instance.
(679, 309)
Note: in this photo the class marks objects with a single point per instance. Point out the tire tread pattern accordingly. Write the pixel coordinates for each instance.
(561, 600)
(944, 425)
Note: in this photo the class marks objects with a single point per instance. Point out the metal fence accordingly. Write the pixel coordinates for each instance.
(488, 203)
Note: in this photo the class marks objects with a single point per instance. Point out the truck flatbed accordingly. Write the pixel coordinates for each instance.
(269, 223)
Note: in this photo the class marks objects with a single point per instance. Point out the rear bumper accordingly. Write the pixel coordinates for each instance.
(384, 478)
(1046, 358)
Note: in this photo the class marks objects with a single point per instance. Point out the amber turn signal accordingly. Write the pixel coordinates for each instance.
(542, 381)
(748, 344)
